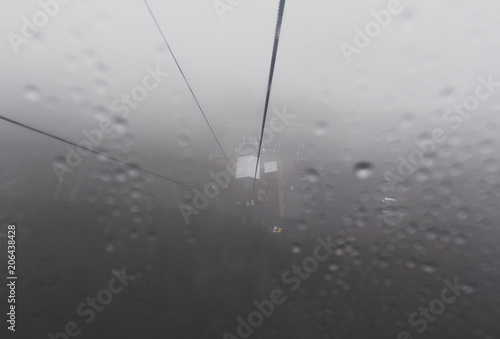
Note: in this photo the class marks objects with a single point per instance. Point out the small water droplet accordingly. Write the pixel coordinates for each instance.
(110, 199)
(120, 126)
(459, 240)
(120, 175)
(328, 276)
(321, 128)
(303, 226)
(105, 176)
(133, 172)
(410, 264)
(491, 165)
(191, 239)
(333, 267)
(134, 233)
(109, 247)
(32, 93)
(428, 268)
(138, 218)
(53, 102)
(183, 140)
(468, 289)
(296, 248)
(101, 87)
(486, 146)
(152, 236)
(77, 94)
(136, 194)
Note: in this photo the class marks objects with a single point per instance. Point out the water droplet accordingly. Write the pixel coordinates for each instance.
(191, 239)
(183, 140)
(333, 267)
(101, 68)
(77, 94)
(456, 169)
(296, 248)
(109, 247)
(328, 276)
(410, 263)
(32, 93)
(117, 212)
(128, 142)
(422, 175)
(138, 218)
(120, 175)
(132, 172)
(53, 102)
(363, 170)
(486, 146)
(134, 233)
(491, 165)
(100, 113)
(177, 96)
(110, 199)
(120, 126)
(101, 87)
(405, 121)
(311, 150)
(312, 175)
(459, 240)
(136, 194)
(303, 226)
(428, 268)
(152, 236)
(321, 128)
(468, 289)
(105, 176)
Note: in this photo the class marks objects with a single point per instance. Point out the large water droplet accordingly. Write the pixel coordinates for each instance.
(312, 175)
(363, 170)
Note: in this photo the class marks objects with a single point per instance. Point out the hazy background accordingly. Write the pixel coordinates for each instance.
(197, 278)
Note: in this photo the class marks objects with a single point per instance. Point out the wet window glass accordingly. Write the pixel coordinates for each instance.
(249, 169)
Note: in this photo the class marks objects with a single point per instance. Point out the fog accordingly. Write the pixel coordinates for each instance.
(381, 132)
